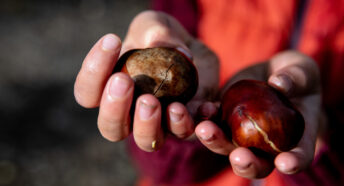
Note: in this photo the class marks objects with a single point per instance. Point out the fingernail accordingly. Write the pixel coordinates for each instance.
(175, 117)
(283, 167)
(242, 167)
(110, 42)
(286, 82)
(283, 82)
(119, 87)
(206, 137)
(185, 52)
(146, 111)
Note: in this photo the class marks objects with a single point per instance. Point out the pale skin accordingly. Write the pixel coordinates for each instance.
(291, 72)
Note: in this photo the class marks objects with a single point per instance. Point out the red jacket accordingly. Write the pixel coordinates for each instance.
(242, 33)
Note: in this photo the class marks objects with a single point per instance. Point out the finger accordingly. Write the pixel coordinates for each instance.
(213, 138)
(301, 157)
(248, 165)
(297, 159)
(153, 29)
(179, 121)
(294, 74)
(288, 162)
(113, 118)
(147, 129)
(95, 71)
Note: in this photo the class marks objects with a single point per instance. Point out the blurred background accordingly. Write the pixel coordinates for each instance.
(46, 138)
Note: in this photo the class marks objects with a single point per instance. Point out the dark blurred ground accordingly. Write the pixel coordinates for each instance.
(46, 139)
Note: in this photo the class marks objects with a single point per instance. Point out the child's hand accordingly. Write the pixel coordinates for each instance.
(96, 86)
(295, 75)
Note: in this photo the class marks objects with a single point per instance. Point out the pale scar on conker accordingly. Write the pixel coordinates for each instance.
(164, 72)
(262, 118)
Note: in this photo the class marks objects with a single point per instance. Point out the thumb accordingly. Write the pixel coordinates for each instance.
(294, 74)
(152, 29)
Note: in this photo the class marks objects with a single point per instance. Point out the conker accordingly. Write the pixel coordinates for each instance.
(164, 72)
(261, 118)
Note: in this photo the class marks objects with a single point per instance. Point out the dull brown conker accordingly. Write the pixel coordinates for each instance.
(262, 118)
(164, 72)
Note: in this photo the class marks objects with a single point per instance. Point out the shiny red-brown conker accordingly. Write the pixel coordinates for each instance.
(164, 72)
(262, 118)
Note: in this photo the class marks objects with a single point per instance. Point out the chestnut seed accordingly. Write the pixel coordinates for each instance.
(164, 72)
(261, 118)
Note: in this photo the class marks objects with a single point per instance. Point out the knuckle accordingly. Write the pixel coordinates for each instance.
(112, 129)
(148, 144)
(91, 67)
(155, 34)
(145, 147)
(147, 13)
(81, 97)
(112, 138)
(183, 135)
